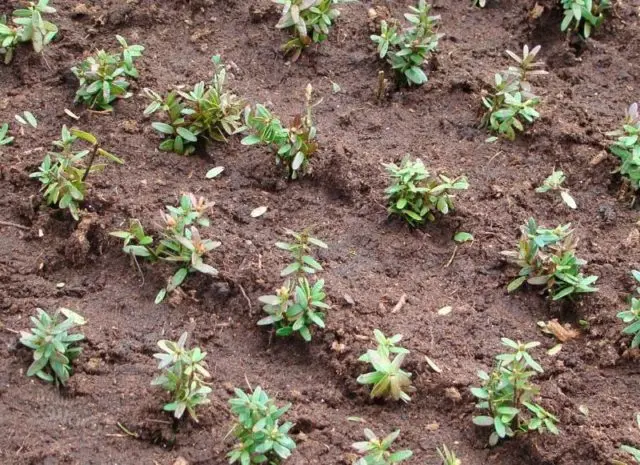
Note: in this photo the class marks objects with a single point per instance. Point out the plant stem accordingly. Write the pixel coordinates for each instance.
(92, 157)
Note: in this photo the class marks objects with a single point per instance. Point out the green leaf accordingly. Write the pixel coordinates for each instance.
(214, 172)
(187, 135)
(163, 128)
(463, 237)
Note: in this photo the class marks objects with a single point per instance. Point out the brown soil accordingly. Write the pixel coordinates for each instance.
(371, 259)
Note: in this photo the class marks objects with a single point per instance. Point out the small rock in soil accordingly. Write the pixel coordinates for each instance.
(181, 461)
(453, 394)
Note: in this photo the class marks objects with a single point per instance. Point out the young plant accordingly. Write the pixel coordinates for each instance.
(54, 348)
(447, 456)
(377, 451)
(308, 20)
(297, 305)
(416, 196)
(30, 26)
(104, 76)
(554, 183)
(511, 103)
(547, 258)
(261, 437)
(5, 138)
(63, 173)
(180, 241)
(293, 145)
(208, 112)
(408, 49)
(509, 397)
(388, 379)
(586, 13)
(631, 317)
(627, 146)
(183, 376)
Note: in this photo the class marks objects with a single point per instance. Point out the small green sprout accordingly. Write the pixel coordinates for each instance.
(447, 456)
(635, 453)
(631, 317)
(103, 76)
(180, 244)
(377, 451)
(294, 145)
(63, 174)
(509, 396)
(416, 196)
(627, 146)
(408, 49)
(309, 20)
(547, 257)
(512, 102)
(388, 379)
(30, 26)
(588, 13)
(208, 112)
(183, 376)
(554, 183)
(5, 138)
(54, 348)
(27, 118)
(297, 305)
(261, 437)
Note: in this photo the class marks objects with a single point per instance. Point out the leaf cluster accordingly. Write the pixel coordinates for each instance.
(416, 196)
(547, 258)
(512, 103)
(584, 14)
(208, 112)
(308, 20)
(63, 172)
(261, 437)
(297, 305)
(293, 145)
(183, 375)
(53, 346)
(631, 317)
(407, 49)
(627, 146)
(180, 241)
(509, 396)
(377, 451)
(104, 76)
(554, 183)
(448, 456)
(388, 379)
(30, 26)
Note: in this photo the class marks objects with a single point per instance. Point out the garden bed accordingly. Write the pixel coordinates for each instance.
(371, 259)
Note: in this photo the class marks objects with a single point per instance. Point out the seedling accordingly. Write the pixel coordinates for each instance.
(208, 112)
(261, 437)
(377, 451)
(180, 244)
(183, 376)
(554, 183)
(509, 397)
(54, 348)
(408, 49)
(297, 305)
(63, 174)
(512, 104)
(627, 146)
(309, 22)
(447, 456)
(547, 258)
(584, 14)
(631, 317)
(416, 196)
(27, 118)
(388, 379)
(5, 138)
(294, 145)
(104, 76)
(635, 453)
(30, 26)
